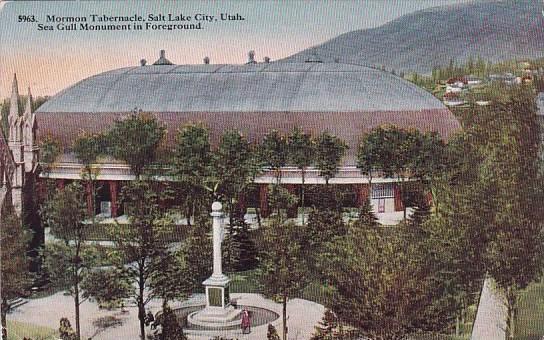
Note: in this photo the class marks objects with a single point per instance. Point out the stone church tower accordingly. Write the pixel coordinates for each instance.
(21, 142)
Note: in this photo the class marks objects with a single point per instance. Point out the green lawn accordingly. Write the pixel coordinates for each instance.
(19, 330)
(530, 323)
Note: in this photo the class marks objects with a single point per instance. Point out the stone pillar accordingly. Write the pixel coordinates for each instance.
(113, 193)
(362, 192)
(263, 199)
(292, 211)
(217, 263)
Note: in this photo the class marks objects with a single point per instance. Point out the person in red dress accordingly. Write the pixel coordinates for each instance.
(246, 322)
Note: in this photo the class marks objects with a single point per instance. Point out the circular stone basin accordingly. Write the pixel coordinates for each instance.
(259, 316)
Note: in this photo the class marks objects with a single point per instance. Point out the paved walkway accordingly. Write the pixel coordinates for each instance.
(303, 315)
(491, 316)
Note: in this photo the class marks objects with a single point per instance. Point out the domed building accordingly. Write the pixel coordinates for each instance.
(254, 98)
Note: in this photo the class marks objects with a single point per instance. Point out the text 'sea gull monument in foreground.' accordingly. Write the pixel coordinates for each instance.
(218, 311)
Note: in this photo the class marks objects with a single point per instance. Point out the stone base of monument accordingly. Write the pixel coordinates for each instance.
(218, 311)
(215, 317)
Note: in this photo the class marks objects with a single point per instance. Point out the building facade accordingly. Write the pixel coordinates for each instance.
(345, 100)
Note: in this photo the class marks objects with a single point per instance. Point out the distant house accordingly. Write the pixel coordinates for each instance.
(473, 80)
(453, 99)
(507, 78)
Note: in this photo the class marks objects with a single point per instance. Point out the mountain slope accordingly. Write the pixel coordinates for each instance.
(494, 30)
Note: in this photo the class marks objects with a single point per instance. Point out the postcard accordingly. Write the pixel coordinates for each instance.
(302, 170)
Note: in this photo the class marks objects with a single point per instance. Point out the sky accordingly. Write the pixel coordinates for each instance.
(49, 61)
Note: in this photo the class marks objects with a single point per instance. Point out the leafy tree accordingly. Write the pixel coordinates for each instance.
(235, 167)
(87, 148)
(109, 287)
(280, 199)
(329, 328)
(381, 286)
(140, 243)
(196, 252)
(509, 174)
(370, 152)
(135, 140)
(302, 155)
(191, 168)
(324, 225)
(67, 262)
(15, 263)
(272, 333)
(66, 331)
(329, 153)
(283, 272)
(170, 326)
(274, 152)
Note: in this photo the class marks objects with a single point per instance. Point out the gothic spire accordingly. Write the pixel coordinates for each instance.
(28, 107)
(14, 102)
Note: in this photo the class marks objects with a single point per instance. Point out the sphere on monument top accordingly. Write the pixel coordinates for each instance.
(216, 206)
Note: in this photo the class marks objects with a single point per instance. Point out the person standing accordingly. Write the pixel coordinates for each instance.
(246, 322)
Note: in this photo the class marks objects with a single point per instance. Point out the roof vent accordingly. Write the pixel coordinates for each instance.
(267, 60)
(206, 60)
(251, 57)
(313, 58)
(162, 59)
(143, 62)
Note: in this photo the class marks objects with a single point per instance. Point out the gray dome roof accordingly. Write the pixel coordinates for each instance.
(261, 87)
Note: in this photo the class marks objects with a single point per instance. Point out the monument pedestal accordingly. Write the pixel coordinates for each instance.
(218, 311)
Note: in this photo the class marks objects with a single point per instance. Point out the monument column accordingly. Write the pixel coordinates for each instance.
(218, 312)
(217, 265)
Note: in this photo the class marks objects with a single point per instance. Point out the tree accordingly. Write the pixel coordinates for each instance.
(273, 152)
(329, 153)
(135, 140)
(329, 328)
(14, 267)
(371, 152)
(191, 168)
(170, 326)
(67, 262)
(87, 148)
(283, 272)
(381, 286)
(140, 241)
(509, 173)
(272, 333)
(302, 155)
(235, 166)
(66, 332)
(108, 287)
